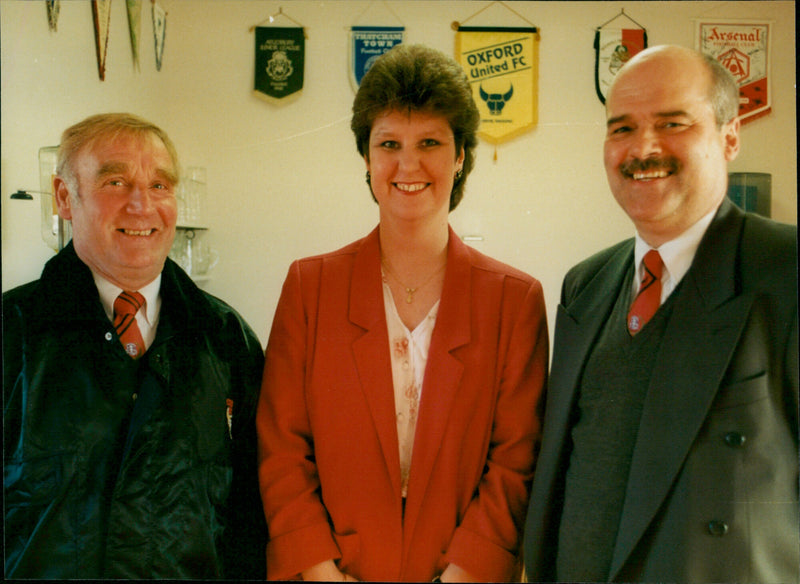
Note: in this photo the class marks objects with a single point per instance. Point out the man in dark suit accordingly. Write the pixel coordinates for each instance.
(670, 445)
(129, 394)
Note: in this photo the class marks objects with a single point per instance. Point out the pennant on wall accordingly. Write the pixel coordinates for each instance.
(135, 27)
(159, 31)
(744, 49)
(613, 48)
(53, 8)
(280, 61)
(502, 65)
(101, 15)
(367, 43)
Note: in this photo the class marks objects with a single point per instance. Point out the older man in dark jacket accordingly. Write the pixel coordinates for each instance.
(126, 456)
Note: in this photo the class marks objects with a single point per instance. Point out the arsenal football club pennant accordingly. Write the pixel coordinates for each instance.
(101, 15)
(613, 48)
(502, 65)
(367, 43)
(53, 8)
(280, 61)
(159, 31)
(134, 26)
(744, 49)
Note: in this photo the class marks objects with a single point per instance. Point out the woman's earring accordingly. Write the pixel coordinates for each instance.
(458, 175)
(369, 178)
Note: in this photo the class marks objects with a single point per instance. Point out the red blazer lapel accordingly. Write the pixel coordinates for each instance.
(371, 350)
(443, 374)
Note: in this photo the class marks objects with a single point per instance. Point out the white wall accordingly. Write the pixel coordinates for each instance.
(286, 181)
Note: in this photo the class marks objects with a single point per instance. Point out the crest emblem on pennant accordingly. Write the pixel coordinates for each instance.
(367, 43)
(744, 49)
(280, 61)
(613, 48)
(502, 66)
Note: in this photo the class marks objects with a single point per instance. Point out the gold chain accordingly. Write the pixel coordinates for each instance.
(408, 289)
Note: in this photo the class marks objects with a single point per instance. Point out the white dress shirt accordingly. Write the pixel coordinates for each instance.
(676, 254)
(146, 317)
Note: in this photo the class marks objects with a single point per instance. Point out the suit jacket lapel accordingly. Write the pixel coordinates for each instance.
(371, 350)
(707, 320)
(580, 321)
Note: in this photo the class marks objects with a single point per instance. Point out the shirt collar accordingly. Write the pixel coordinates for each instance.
(109, 292)
(677, 254)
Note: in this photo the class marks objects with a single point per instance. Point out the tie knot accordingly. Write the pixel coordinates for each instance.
(652, 263)
(128, 303)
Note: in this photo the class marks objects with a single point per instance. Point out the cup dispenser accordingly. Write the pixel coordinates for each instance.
(752, 191)
(56, 232)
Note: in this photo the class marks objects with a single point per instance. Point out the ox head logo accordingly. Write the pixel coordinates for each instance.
(496, 101)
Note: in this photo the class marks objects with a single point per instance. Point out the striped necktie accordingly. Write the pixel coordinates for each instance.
(126, 306)
(649, 297)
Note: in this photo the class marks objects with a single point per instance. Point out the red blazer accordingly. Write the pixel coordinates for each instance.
(328, 453)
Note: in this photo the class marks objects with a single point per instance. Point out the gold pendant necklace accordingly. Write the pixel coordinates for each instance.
(409, 290)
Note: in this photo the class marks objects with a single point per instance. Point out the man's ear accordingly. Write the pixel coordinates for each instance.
(731, 135)
(63, 197)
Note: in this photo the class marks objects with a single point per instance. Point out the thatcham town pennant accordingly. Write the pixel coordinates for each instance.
(280, 61)
(613, 48)
(744, 49)
(502, 65)
(367, 43)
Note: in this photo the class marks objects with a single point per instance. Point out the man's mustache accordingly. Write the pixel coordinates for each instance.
(630, 167)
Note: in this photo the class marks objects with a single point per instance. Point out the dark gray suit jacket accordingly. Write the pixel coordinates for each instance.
(712, 494)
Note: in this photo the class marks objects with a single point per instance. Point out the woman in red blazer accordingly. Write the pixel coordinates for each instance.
(399, 413)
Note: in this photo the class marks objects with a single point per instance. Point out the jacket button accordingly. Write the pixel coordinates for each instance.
(717, 528)
(734, 439)
(109, 336)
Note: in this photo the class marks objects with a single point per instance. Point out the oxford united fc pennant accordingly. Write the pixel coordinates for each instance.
(280, 61)
(502, 65)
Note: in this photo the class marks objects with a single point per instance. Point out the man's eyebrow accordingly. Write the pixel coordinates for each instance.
(111, 168)
(116, 167)
(670, 114)
(168, 175)
(616, 120)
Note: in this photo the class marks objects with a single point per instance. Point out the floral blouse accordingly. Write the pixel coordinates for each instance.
(409, 354)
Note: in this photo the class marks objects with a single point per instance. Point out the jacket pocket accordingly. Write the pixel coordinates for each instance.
(742, 392)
